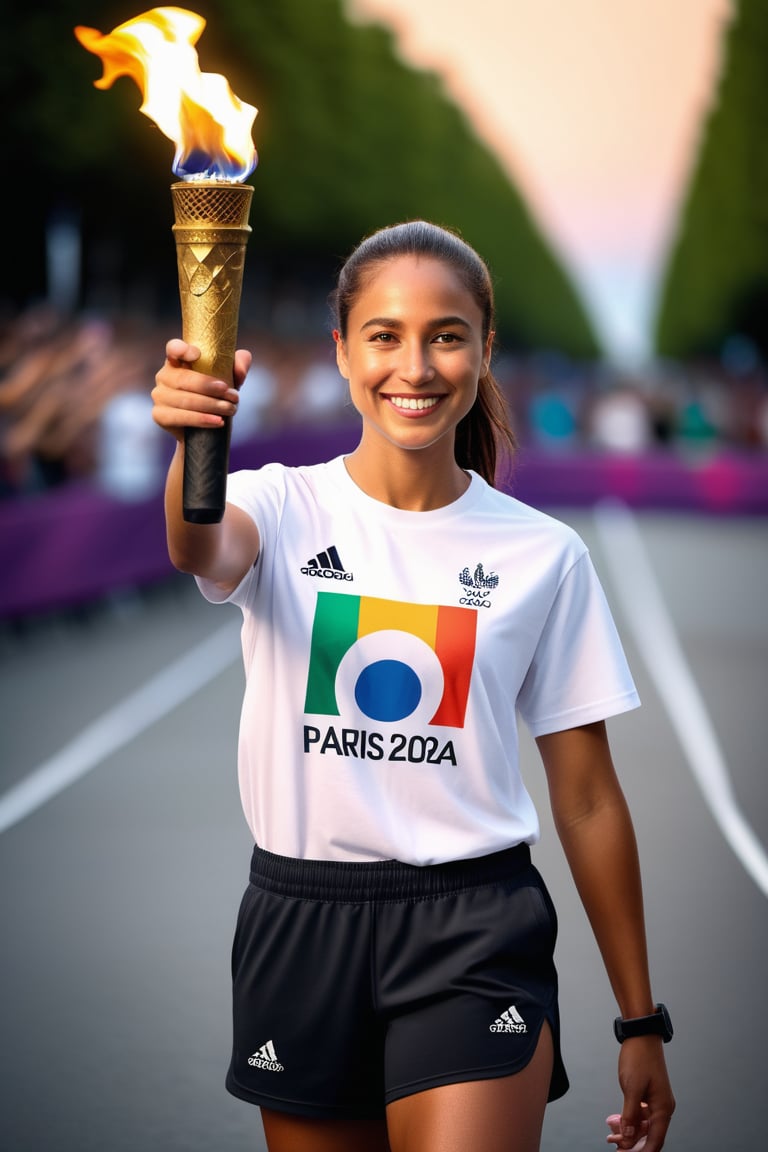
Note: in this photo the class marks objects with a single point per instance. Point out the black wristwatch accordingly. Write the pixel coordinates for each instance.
(658, 1024)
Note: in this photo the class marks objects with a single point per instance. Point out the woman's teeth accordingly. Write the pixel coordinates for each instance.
(414, 402)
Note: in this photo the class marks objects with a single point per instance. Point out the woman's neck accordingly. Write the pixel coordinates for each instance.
(414, 480)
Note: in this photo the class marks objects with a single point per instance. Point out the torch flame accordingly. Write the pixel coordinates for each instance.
(198, 111)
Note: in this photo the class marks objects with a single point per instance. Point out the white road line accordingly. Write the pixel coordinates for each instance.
(121, 724)
(637, 589)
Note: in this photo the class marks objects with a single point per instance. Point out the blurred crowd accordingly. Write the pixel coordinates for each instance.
(75, 401)
(686, 409)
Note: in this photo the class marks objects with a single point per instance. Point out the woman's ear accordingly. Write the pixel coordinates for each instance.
(341, 355)
(487, 353)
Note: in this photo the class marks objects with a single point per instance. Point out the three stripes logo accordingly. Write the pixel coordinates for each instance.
(326, 566)
(266, 1058)
(509, 1021)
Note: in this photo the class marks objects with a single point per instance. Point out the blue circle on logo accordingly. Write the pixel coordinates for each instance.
(388, 690)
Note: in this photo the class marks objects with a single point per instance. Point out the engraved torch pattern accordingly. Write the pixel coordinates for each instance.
(211, 232)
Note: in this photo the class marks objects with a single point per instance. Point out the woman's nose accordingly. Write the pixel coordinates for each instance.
(417, 367)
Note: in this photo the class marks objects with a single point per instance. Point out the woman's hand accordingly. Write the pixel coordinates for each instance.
(614, 1123)
(184, 398)
(648, 1100)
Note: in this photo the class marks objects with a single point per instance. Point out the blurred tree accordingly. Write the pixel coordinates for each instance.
(350, 139)
(716, 281)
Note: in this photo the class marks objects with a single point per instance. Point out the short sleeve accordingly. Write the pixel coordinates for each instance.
(579, 673)
(261, 495)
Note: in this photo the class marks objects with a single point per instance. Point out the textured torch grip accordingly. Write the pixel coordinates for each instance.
(206, 463)
(211, 232)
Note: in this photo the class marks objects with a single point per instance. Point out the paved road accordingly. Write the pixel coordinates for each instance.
(118, 894)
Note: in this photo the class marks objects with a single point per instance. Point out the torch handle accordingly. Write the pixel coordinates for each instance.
(206, 462)
(211, 232)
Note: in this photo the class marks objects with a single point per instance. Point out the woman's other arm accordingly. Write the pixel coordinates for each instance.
(595, 829)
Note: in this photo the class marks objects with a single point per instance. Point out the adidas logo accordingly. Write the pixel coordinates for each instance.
(509, 1021)
(478, 580)
(477, 587)
(266, 1058)
(327, 566)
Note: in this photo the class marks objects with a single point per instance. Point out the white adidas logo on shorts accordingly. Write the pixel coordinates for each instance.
(266, 1058)
(509, 1021)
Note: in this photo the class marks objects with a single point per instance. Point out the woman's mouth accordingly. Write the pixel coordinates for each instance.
(414, 403)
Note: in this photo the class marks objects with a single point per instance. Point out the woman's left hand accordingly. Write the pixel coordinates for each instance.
(614, 1123)
(648, 1099)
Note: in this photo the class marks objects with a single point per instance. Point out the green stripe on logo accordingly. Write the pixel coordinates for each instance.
(333, 633)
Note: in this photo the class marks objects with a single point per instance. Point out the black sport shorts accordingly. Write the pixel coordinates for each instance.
(356, 984)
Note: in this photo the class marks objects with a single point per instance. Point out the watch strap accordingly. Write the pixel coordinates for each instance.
(657, 1024)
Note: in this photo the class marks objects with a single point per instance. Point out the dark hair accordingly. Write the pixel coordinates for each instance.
(485, 430)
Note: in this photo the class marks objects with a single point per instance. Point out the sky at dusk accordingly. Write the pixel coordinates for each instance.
(595, 108)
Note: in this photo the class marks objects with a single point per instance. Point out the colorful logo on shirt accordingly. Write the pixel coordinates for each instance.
(386, 660)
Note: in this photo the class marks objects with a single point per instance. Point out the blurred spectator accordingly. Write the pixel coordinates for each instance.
(662, 414)
(619, 421)
(57, 380)
(552, 420)
(761, 422)
(131, 448)
(258, 396)
(321, 392)
(695, 427)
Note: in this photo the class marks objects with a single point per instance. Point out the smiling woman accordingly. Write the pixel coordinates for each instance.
(413, 352)
(415, 315)
(393, 975)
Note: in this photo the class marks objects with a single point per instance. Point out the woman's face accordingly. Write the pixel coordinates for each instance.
(414, 352)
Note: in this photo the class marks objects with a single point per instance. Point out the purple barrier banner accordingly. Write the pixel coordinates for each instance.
(722, 484)
(73, 545)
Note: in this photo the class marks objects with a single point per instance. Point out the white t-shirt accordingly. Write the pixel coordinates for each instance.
(387, 654)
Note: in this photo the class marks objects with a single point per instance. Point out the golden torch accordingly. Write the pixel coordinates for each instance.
(211, 129)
